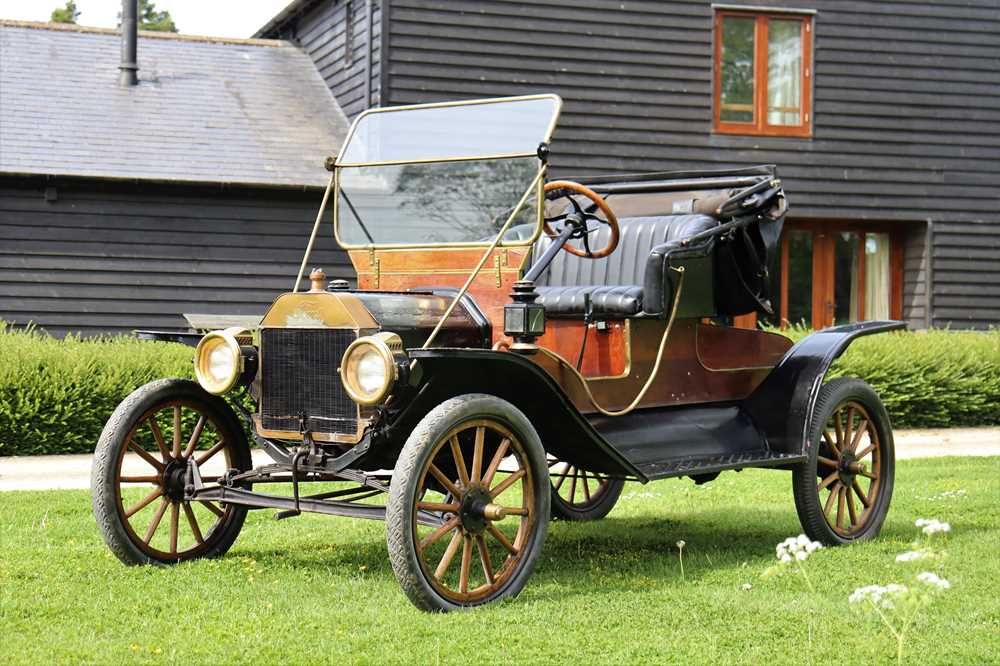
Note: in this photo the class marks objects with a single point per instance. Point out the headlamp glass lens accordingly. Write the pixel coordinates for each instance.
(371, 373)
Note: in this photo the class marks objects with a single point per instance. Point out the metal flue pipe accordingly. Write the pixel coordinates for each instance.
(129, 65)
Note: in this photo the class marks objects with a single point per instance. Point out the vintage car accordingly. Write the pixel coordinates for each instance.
(515, 350)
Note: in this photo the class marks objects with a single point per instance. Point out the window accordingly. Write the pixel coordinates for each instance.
(763, 74)
(833, 274)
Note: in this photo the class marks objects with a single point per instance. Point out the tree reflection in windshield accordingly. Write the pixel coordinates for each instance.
(441, 202)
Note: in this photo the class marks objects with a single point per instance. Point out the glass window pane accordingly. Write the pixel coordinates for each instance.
(736, 81)
(800, 262)
(468, 130)
(784, 72)
(435, 202)
(845, 278)
(877, 276)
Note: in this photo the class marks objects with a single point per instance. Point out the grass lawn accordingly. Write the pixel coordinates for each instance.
(319, 589)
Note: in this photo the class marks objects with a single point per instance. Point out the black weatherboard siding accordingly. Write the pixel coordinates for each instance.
(906, 108)
(112, 257)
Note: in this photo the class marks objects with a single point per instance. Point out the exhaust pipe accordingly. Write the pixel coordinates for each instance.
(129, 66)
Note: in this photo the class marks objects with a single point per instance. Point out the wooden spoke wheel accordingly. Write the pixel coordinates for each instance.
(581, 495)
(140, 473)
(468, 508)
(843, 492)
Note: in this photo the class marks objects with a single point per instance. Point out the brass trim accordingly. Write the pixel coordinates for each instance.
(336, 438)
(383, 343)
(229, 339)
(434, 105)
(437, 160)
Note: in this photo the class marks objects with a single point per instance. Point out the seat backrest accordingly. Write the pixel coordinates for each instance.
(627, 264)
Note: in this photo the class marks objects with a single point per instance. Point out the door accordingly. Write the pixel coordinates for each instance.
(837, 274)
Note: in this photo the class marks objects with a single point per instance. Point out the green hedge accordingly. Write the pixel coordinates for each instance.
(928, 379)
(56, 394)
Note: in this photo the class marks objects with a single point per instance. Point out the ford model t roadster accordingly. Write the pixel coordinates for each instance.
(514, 351)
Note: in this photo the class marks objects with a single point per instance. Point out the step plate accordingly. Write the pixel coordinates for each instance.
(705, 464)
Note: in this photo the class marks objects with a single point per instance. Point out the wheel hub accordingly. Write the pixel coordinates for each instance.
(849, 467)
(477, 509)
(174, 476)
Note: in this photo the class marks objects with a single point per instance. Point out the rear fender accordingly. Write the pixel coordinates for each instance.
(782, 406)
(444, 373)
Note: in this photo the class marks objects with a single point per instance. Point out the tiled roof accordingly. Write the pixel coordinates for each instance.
(205, 110)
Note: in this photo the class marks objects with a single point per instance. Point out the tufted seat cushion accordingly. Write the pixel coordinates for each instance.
(614, 301)
(617, 283)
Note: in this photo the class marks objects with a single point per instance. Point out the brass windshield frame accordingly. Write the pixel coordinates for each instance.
(538, 182)
(437, 105)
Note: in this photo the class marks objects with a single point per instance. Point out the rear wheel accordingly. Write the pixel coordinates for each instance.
(139, 471)
(842, 492)
(468, 505)
(581, 495)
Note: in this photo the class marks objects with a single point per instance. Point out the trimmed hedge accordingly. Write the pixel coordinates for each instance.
(56, 394)
(928, 379)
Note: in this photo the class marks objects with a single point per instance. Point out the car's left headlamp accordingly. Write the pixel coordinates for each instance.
(369, 368)
(218, 360)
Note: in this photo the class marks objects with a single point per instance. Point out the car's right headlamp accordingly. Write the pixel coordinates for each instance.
(218, 360)
(368, 369)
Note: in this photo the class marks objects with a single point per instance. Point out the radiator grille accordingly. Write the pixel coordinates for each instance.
(299, 376)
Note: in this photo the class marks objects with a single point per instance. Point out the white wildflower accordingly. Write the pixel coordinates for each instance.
(797, 548)
(885, 596)
(913, 555)
(746, 587)
(681, 544)
(931, 526)
(933, 580)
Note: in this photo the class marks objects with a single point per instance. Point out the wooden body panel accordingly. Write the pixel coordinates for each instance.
(740, 360)
(404, 269)
(702, 362)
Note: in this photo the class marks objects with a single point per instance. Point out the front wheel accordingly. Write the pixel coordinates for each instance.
(140, 464)
(468, 505)
(842, 492)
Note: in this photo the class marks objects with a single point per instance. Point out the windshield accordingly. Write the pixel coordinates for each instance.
(450, 174)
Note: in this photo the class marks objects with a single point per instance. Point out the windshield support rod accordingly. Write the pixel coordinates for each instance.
(486, 255)
(312, 236)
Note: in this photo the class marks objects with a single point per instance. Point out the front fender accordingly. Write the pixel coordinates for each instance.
(782, 406)
(444, 373)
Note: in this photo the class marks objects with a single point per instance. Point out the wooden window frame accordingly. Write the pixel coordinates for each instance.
(822, 274)
(760, 126)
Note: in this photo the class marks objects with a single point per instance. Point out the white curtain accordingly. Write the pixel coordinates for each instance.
(878, 278)
(784, 72)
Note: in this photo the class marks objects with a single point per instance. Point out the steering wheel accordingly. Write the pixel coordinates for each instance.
(580, 218)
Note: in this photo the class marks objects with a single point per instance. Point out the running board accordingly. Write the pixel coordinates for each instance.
(254, 500)
(690, 440)
(709, 464)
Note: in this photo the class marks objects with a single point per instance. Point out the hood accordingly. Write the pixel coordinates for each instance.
(410, 314)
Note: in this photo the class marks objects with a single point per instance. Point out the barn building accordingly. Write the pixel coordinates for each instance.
(884, 118)
(194, 191)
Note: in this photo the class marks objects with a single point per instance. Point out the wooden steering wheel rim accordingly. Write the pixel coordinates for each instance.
(600, 203)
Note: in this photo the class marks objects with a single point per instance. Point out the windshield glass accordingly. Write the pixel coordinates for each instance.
(434, 174)
(475, 129)
(435, 202)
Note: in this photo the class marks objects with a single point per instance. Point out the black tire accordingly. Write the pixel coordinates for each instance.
(580, 501)
(842, 470)
(138, 412)
(426, 449)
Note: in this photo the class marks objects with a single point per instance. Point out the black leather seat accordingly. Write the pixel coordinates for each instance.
(618, 282)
